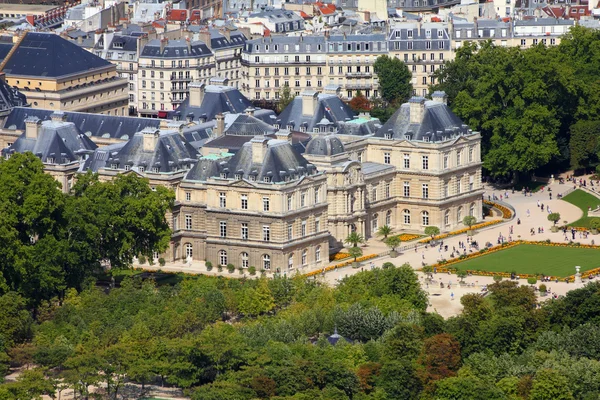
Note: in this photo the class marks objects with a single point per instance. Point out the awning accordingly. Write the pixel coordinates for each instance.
(162, 114)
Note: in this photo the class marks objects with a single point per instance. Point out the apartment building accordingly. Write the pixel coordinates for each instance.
(227, 46)
(56, 74)
(424, 48)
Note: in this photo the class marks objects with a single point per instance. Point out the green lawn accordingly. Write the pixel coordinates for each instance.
(534, 259)
(583, 200)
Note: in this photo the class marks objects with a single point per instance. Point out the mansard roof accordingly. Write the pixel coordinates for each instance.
(326, 106)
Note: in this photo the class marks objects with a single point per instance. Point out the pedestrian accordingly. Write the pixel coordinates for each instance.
(452, 296)
(528, 212)
(538, 203)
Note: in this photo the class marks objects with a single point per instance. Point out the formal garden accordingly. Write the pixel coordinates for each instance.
(584, 201)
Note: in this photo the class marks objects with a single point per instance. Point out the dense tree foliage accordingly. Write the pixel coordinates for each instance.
(525, 101)
(50, 241)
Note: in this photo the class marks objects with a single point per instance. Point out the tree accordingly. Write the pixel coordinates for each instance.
(256, 301)
(355, 252)
(439, 358)
(583, 144)
(384, 231)
(354, 238)
(285, 97)
(359, 103)
(550, 384)
(554, 217)
(392, 242)
(469, 221)
(432, 231)
(461, 274)
(394, 79)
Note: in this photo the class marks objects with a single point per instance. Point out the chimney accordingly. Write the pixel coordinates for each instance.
(220, 127)
(284, 134)
(476, 24)
(164, 123)
(58, 116)
(450, 27)
(204, 36)
(259, 149)
(417, 109)
(419, 28)
(97, 35)
(249, 111)
(440, 97)
(196, 94)
(150, 139)
(225, 32)
(33, 126)
(189, 45)
(310, 99)
(163, 42)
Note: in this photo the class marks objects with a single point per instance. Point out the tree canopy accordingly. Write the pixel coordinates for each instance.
(394, 80)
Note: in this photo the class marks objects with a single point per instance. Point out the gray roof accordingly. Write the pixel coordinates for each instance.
(169, 152)
(119, 43)
(10, 97)
(98, 125)
(246, 125)
(359, 126)
(175, 49)
(49, 55)
(310, 44)
(278, 162)
(220, 41)
(438, 122)
(324, 145)
(57, 141)
(371, 168)
(277, 15)
(328, 107)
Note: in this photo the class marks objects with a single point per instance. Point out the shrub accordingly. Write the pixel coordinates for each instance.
(220, 268)
(241, 270)
(532, 280)
(161, 262)
(355, 252)
(387, 265)
(252, 270)
(543, 288)
(230, 268)
(142, 259)
(497, 278)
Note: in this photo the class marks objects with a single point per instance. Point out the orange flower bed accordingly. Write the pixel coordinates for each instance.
(407, 237)
(506, 213)
(444, 267)
(340, 265)
(339, 256)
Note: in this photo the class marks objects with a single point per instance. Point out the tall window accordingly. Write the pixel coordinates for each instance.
(387, 158)
(188, 196)
(471, 182)
(303, 228)
(222, 257)
(289, 202)
(425, 189)
(374, 194)
(447, 217)
(388, 218)
(223, 229)
(266, 233)
(189, 250)
(266, 204)
(406, 214)
(266, 261)
(302, 199)
(470, 154)
(291, 261)
(317, 196)
(406, 189)
(290, 230)
(472, 210)
(222, 200)
(458, 154)
(244, 202)
(188, 221)
(374, 222)
(244, 257)
(317, 224)
(387, 190)
(318, 254)
(244, 230)
(445, 161)
(425, 218)
(304, 257)
(458, 186)
(425, 160)
(406, 160)
(459, 214)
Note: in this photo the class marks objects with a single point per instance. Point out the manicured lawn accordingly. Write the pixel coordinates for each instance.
(534, 259)
(583, 200)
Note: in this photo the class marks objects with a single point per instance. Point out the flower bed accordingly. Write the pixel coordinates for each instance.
(446, 266)
(506, 212)
(339, 256)
(407, 237)
(340, 265)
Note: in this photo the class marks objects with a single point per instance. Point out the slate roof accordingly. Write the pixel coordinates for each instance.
(10, 97)
(49, 55)
(438, 122)
(329, 107)
(57, 140)
(246, 125)
(324, 145)
(221, 100)
(175, 49)
(220, 41)
(230, 143)
(280, 161)
(170, 153)
(119, 43)
(97, 125)
(359, 126)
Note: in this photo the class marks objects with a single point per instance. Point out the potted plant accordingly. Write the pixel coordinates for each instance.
(355, 252)
(387, 265)
(230, 268)
(142, 260)
(161, 262)
(392, 242)
(427, 270)
(241, 270)
(209, 266)
(354, 239)
(384, 231)
(554, 217)
(432, 231)
(532, 280)
(462, 275)
(497, 278)
(252, 271)
(469, 221)
(543, 289)
(595, 225)
(220, 268)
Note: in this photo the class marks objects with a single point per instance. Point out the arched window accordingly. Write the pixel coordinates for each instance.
(472, 210)
(318, 254)
(447, 217)
(223, 258)
(189, 250)
(374, 222)
(388, 218)
(291, 261)
(425, 218)
(266, 261)
(459, 214)
(406, 214)
(244, 257)
(304, 257)
(352, 228)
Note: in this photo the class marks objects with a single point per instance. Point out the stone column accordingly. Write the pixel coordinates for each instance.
(578, 275)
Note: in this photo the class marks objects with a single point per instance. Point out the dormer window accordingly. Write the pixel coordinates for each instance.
(426, 138)
(142, 169)
(223, 175)
(388, 135)
(156, 170)
(408, 137)
(50, 160)
(238, 176)
(267, 179)
(252, 178)
(114, 166)
(127, 167)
